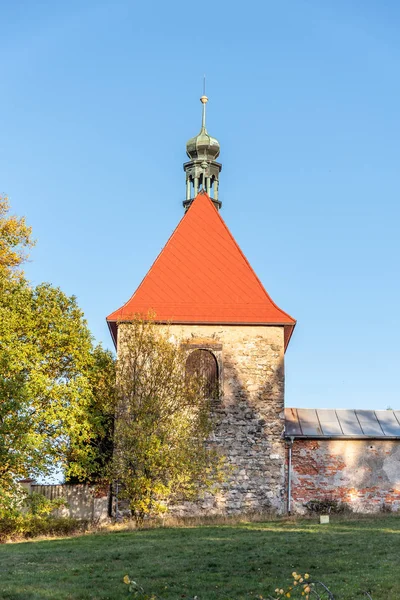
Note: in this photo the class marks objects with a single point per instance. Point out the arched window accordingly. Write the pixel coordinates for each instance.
(204, 364)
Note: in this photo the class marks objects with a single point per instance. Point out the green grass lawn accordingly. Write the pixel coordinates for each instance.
(226, 562)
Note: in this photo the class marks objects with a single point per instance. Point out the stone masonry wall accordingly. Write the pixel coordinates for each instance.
(363, 473)
(248, 416)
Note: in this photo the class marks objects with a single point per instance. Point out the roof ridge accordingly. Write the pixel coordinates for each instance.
(153, 264)
(249, 265)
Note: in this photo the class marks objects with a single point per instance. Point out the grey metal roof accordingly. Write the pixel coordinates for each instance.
(324, 423)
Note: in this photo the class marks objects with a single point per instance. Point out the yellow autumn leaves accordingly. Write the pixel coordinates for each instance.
(15, 238)
(298, 580)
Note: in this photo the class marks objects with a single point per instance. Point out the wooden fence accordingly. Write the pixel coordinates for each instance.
(86, 502)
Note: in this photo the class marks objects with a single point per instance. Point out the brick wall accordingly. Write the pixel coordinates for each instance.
(363, 473)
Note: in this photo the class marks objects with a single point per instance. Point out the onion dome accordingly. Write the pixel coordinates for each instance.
(203, 146)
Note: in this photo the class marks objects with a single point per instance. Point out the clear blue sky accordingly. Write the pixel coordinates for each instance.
(98, 100)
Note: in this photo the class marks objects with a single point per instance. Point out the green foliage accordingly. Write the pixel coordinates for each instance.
(89, 461)
(12, 497)
(50, 375)
(44, 386)
(30, 526)
(136, 590)
(39, 506)
(163, 420)
(30, 515)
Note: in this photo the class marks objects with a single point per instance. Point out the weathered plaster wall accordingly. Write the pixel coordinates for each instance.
(249, 418)
(363, 473)
(85, 502)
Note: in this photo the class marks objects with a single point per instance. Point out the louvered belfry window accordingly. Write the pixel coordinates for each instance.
(204, 364)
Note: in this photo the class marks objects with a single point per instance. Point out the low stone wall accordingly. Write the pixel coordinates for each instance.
(363, 473)
(85, 502)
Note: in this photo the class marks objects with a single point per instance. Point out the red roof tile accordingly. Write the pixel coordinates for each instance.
(202, 276)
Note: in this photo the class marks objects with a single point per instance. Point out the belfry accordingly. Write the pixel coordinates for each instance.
(202, 286)
(202, 170)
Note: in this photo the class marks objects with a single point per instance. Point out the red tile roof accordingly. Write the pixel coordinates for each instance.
(202, 276)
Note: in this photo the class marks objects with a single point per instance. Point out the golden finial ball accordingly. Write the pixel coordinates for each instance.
(204, 99)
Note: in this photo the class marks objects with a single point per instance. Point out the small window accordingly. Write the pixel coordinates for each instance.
(204, 364)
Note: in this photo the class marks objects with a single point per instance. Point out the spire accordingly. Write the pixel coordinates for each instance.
(204, 101)
(202, 170)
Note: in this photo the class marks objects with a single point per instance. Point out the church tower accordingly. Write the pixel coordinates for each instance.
(202, 287)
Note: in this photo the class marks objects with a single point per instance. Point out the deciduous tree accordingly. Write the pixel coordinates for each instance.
(162, 424)
(91, 461)
(50, 374)
(15, 239)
